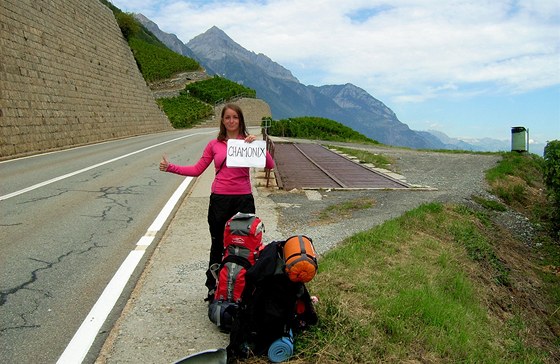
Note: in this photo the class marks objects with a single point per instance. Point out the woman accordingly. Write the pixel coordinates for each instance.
(231, 188)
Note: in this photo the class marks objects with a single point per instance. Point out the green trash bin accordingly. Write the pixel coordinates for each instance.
(519, 139)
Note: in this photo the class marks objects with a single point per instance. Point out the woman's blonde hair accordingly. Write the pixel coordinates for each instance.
(222, 135)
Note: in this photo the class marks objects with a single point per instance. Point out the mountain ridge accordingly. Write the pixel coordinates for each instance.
(170, 40)
(348, 104)
(215, 41)
(287, 97)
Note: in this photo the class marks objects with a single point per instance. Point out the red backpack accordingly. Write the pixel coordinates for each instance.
(242, 243)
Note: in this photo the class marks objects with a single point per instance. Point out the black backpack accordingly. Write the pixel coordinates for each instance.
(272, 306)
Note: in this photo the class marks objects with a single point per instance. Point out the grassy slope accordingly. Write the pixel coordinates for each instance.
(443, 283)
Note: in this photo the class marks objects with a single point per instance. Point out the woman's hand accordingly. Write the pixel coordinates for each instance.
(250, 138)
(163, 164)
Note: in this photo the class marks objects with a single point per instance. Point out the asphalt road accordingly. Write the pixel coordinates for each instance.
(68, 221)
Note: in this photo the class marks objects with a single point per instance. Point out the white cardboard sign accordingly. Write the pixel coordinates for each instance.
(242, 154)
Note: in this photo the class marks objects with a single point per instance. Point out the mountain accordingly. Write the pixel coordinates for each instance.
(452, 143)
(287, 97)
(481, 144)
(364, 113)
(170, 40)
(217, 49)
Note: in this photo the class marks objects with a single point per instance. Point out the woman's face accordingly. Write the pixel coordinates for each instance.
(231, 120)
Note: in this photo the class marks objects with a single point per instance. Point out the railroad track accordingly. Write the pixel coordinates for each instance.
(312, 166)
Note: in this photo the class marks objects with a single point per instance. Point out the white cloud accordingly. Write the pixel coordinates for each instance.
(402, 51)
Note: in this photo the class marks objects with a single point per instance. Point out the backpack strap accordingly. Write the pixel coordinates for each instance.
(237, 260)
(221, 165)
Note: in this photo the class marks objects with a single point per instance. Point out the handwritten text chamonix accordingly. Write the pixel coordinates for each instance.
(242, 154)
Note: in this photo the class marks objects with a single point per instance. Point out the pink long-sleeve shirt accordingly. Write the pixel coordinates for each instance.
(229, 181)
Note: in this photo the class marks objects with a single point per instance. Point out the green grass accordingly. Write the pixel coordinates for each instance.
(345, 209)
(476, 244)
(410, 290)
(525, 167)
(489, 204)
(518, 181)
(442, 283)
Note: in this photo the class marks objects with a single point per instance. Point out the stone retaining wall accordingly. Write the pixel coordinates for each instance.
(67, 78)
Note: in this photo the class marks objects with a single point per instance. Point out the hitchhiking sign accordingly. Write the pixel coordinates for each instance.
(243, 154)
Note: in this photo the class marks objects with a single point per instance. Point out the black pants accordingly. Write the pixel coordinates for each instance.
(220, 210)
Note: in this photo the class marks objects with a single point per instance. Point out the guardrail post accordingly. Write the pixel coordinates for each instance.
(270, 149)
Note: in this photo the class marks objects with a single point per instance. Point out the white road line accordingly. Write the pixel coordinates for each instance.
(80, 344)
(56, 179)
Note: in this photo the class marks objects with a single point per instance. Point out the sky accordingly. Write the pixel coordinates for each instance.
(468, 68)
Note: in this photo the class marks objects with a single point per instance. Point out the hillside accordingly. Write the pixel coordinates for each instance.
(287, 97)
(352, 106)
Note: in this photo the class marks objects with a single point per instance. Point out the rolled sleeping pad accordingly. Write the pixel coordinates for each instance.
(282, 349)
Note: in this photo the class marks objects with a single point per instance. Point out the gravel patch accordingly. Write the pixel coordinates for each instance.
(444, 177)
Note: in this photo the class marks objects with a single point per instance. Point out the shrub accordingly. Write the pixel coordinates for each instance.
(552, 166)
(551, 175)
(129, 26)
(316, 128)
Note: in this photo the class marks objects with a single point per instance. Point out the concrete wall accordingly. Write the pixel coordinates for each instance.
(68, 77)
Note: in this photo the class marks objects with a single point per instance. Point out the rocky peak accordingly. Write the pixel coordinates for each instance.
(287, 97)
(215, 45)
(354, 97)
(170, 40)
